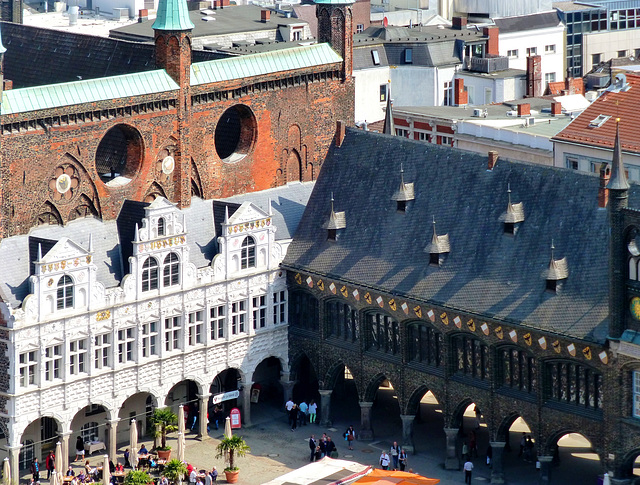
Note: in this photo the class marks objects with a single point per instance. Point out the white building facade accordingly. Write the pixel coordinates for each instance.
(201, 309)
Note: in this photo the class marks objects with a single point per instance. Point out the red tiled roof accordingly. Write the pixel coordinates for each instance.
(624, 105)
(573, 86)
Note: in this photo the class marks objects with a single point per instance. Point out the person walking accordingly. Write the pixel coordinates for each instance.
(402, 459)
(395, 452)
(350, 436)
(468, 468)
(293, 417)
(50, 463)
(313, 409)
(312, 447)
(35, 470)
(384, 460)
(304, 413)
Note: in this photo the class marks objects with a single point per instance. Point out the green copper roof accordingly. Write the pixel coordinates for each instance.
(264, 63)
(90, 91)
(335, 2)
(172, 15)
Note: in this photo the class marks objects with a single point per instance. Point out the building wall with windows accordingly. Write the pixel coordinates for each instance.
(600, 47)
(200, 292)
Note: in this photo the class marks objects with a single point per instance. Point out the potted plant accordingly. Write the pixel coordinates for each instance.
(230, 447)
(137, 477)
(164, 421)
(175, 470)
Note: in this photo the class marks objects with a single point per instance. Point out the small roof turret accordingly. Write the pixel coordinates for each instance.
(173, 15)
(618, 180)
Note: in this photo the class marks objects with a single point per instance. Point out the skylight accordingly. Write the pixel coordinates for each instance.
(599, 121)
(376, 57)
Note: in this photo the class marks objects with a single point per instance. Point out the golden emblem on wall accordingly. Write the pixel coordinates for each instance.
(472, 325)
(344, 292)
(367, 298)
(527, 338)
(392, 304)
(321, 285)
(587, 353)
(498, 332)
(298, 278)
(103, 315)
(444, 318)
(556, 347)
(418, 311)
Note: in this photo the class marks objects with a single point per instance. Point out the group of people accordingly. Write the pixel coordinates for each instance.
(201, 477)
(301, 414)
(319, 448)
(396, 458)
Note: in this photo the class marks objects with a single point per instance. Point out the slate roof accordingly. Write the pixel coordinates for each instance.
(621, 104)
(112, 239)
(31, 51)
(523, 23)
(487, 272)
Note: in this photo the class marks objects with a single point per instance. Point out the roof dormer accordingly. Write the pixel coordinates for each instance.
(514, 215)
(439, 247)
(336, 223)
(404, 195)
(557, 272)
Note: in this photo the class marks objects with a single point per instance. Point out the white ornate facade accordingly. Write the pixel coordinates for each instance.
(99, 330)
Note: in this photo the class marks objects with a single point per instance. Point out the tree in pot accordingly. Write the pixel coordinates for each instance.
(164, 421)
(229, 448)
(175, 470)
(137, 477)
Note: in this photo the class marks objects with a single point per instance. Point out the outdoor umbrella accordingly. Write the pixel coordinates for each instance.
(397, 477)
(6, 472)
(133, 438)
(181, 419)
(58, 460)
(181, 446)
(54, 479)
(106, 473)
(227, 428)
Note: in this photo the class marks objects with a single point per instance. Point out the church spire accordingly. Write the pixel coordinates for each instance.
(388, 128)
(618, 180)
(172, 15)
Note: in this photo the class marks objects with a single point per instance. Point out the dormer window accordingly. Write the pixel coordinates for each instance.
(557, 273)
(248, 253)
(150, 274)
(408, 56)
(161, 227)
(64, 297)
(404, 194)
(335, 224)
(513, 216)
(171, 270)
(439, 247)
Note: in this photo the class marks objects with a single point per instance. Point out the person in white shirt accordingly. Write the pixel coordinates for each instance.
(384, 460)
(468, 468)
(193, 477)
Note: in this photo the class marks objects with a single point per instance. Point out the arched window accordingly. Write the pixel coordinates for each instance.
(161, 226)
(517, 369)
(341, 321)
(89, 431)
(303, 311)
(425, 345)
(574, 384)
(65, 293)
(171, 270)
(470, 357)
(383, 333)
(150, 274)
(248, 254)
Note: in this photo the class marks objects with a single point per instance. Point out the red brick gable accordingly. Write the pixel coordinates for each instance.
(623, 105)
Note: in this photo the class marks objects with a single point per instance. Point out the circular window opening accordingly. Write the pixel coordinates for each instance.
(119, 155)
(235, 133)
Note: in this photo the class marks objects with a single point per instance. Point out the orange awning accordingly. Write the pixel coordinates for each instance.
(389, 477)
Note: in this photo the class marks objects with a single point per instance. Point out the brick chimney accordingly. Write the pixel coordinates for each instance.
(460, 96)
(143, 14)
(459, 23)
(492, 43)
(556, 108)
(265, 15)
(603, 192)
(534, 76)
(7, 84)
(340, 132)
(493, 159)
(524, 109)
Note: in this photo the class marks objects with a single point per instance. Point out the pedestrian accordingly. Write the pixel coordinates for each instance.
(214, 474)
(468, 468)
(528, 449)
(323, 445)
(312, 447)
(350, 436)
(402, 459)
(465, 451)
(127, 454)
(489, 454)
(35, 470)
(79, 448)
(394, 452)
(293, 417)
(313, 409)
(304, 413)
(384, 460)
(193, 476)
(523, 441)
(330, 448)
(50, 463)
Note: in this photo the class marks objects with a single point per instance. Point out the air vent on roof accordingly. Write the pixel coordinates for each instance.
(599, 121)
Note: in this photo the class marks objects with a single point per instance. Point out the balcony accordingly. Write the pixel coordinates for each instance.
(486, 64)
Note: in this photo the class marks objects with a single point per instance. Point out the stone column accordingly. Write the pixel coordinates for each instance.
(407, 432)
(325, 407)
(451, 462)
(112, 446)
(497, 473)
(64, 446)
(246, 403)
(203, 411)
(366, 433)
(14, 463)
(545, 469)
(287, 387)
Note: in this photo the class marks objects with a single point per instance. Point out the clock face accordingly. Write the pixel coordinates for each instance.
(634, 307)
